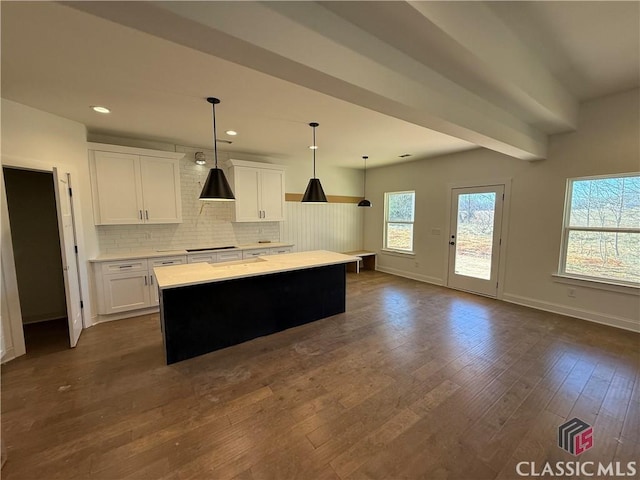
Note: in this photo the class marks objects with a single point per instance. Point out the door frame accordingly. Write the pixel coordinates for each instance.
(25, 163)
(504, 228)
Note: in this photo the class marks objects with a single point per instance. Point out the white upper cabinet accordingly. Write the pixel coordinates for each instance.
(134, 185)
(259, 191)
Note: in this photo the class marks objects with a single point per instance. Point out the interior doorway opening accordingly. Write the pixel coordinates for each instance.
(35, 237)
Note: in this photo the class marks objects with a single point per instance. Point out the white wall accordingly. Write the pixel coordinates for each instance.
(606, 142)
(35, 139)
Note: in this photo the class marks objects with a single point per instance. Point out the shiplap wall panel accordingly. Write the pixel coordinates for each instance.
(329, 226)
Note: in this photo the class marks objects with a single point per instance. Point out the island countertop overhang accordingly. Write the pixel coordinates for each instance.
(197, 273)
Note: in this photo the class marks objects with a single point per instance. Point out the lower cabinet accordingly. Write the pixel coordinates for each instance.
(279, 250)
(258, 252)
(125, 291)
(229, 256)
(129, 285)
(123, 286)
(161, 262)
(214, 257)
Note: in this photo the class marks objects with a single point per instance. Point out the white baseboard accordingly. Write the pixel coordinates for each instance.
(591, 316)
(119, 316)
(412, 276)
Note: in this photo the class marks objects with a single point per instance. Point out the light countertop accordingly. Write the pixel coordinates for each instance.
(197, 273)
(111, 257)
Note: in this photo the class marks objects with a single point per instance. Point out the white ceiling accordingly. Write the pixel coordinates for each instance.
(381, 78)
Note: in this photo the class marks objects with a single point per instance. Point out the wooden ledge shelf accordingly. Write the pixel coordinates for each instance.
(366, 261)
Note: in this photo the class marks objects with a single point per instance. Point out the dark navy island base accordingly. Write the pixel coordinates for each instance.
(198, 319)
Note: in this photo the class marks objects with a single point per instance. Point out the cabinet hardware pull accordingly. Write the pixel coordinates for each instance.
(125, 266)
(145, 280)
(146, 213)
(140, 214)
(167, 263)
(151, 278)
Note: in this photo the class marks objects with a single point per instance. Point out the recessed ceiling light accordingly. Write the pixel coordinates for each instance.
(231, 132)
(99, 109)
(313, 147)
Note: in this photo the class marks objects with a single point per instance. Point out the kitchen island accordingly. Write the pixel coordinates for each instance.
(206, 307)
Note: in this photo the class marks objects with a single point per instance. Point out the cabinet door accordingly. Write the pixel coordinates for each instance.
(202, 258)
(117, 194)
(161, 190)
(245, 182)
(254, 253)
(229, 256)
(126, 291)
(161, 262)
(279, 250)
(272, 195)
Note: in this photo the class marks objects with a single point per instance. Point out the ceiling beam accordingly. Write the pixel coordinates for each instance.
(310, 45)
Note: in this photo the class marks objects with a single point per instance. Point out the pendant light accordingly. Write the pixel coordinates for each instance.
(216, 188)
(314, 192)
(364, 202)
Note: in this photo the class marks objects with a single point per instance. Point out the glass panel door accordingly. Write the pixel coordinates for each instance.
(474, 239)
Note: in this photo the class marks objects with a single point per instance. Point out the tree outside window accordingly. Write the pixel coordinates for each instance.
(399, 210)
(601, 234)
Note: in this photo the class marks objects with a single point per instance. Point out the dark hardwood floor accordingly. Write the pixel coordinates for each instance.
(413, 381)
(44, 338)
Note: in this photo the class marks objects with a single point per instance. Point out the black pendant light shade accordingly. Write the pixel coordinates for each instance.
(216, 188)
(314, 192)
(364, 202)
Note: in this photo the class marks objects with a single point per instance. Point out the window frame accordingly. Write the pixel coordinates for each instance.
(386, 247)
(567, 229)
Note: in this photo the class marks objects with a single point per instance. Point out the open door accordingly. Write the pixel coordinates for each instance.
(68, 244)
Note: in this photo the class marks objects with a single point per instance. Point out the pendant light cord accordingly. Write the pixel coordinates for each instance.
(314, 152)
(364, 193)
(215, 136)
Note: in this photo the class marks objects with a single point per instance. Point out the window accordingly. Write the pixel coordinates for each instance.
(601, 233)
(398, 220)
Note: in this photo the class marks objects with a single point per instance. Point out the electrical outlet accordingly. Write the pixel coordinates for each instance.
(571, 292)
(260, 231)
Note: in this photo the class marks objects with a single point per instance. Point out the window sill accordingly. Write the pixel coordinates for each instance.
(597, 284)
(397, 253)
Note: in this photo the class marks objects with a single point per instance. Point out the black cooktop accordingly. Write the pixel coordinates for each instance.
(210, 248)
